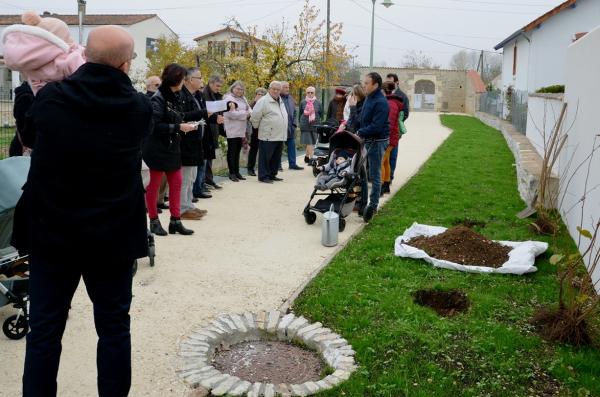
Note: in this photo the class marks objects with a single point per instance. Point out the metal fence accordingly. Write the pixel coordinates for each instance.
(7, 121)
(512, 108)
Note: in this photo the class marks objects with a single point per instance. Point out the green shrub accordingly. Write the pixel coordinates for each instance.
(552, 89)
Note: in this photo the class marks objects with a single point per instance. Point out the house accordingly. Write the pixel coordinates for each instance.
(436, 89)
(227, 42)
(535, 55)
(145, 29)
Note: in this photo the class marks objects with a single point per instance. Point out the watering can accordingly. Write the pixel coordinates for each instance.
(330, 228)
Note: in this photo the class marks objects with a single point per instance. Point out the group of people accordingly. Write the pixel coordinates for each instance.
(82, 213)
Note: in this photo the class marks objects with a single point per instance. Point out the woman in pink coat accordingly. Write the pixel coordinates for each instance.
(236, 123)
(42, 50)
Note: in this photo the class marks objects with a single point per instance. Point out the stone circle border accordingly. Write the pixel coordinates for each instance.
(197, 350)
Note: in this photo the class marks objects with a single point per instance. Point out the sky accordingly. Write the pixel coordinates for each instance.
(463, 23)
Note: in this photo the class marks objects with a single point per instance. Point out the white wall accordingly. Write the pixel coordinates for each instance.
(520, 79)
(582, 88)
(543, 111)
(152, 28)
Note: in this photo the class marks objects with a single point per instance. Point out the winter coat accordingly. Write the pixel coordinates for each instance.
(355, 112)
(334, 108)
(303, 120)
(161, 149)
(270, 117)
(215, 129)
(374, 123)
(208, 143)
(84, 193)
(42, 56)
(396, 106)
(236, 121)
(399, 93)
(338, 169)
(23, 101)
(290, 107)
(192, 152)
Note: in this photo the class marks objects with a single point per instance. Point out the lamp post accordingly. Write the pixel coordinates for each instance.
(386, 4)
(81, 14)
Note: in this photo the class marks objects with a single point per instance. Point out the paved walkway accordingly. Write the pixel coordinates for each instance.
(251, 252)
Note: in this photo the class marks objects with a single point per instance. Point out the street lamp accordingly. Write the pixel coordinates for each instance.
(386, 4)
(81, 14)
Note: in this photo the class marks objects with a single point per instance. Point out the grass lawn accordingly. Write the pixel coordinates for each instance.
(407, 350)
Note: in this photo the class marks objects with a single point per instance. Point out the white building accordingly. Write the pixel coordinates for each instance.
(227, 42)
(535, 55)
(145, 29)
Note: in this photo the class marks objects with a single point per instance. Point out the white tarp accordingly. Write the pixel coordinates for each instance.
(521, 259)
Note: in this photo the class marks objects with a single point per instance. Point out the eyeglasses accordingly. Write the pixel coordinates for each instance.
(197, 78)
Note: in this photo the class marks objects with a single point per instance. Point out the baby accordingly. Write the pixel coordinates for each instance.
(332, 175)
(42, 50)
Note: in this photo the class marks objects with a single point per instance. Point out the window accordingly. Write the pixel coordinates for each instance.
(515, 59)
(216, 48)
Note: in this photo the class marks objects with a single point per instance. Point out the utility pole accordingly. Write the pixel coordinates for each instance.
(372, 36)
(480, 65)
(327, 50)
(81, 14)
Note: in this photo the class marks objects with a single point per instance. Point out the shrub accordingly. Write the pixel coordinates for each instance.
(552, 89)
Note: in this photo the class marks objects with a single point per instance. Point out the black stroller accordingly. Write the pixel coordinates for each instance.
(321, 154)
(13, 267)
(341, 195)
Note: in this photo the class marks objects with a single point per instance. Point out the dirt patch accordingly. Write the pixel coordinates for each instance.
(271, 362)
(544, 225)
(562, 325)
(462, 245)
(445, 303)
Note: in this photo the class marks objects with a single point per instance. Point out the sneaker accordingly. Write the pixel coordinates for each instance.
(369, 212)
(201, 212)
(191, 215)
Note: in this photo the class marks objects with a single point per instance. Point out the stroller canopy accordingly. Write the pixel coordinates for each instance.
(345, 140)
(13, 174)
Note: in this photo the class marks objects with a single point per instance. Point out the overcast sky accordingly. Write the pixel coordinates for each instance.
(469, 23)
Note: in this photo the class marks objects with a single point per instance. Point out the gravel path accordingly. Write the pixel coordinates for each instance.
(251, 252)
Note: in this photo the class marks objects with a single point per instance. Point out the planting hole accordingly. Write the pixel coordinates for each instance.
(445, 303)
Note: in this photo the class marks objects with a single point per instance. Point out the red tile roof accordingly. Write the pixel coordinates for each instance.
(478, 83)
(98, 19)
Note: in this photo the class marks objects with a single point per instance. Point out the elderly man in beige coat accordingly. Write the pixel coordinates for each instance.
(270, 117)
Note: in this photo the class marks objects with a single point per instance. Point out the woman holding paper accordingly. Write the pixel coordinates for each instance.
(236, 122)
(161, 150)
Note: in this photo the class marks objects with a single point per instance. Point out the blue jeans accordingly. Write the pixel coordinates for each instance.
(375, 152)
(199, 182)
(52, 283)
(291, 152)
(393, 159)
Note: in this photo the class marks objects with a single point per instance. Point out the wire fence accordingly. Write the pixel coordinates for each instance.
(7, 121)
(511, 107)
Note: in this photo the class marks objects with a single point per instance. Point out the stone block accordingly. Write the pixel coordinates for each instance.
(256, 390)
(293, 328)
(272, 321)
(269, 390)
(283, 324)
(213, 381)
(224, 387)
(240, 388)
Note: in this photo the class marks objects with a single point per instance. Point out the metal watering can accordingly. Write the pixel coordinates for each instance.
(330, 228)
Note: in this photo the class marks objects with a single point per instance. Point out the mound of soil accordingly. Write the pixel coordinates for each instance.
(462, 245)
(270, 362)
(445, 303)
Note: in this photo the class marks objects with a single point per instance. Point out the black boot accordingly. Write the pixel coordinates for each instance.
(156, 227)
(385, 188)
(175, 226)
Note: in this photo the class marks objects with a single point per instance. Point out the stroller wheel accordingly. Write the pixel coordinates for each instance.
(342, 224)
(134, 268)
(15, 328)
(310, 217)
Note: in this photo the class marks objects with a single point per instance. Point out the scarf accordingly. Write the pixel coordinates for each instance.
(309, 110)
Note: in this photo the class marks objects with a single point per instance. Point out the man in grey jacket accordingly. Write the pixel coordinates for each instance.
(271, 118)
(290, 106)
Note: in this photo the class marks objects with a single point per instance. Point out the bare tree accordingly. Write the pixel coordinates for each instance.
(469, 60)
(464, 60)
(418, 60)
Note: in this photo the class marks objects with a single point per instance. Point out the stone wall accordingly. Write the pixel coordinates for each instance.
(450, 85)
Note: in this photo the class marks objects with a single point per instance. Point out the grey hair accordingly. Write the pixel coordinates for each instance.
(274, 83)
(215, 78)
(190, 72)
(261, 91)
(237, 83)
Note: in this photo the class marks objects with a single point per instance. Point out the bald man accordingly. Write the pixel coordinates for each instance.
(152, 84)
(82, 212)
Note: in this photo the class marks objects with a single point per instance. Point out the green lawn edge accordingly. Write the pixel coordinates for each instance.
(407, 350)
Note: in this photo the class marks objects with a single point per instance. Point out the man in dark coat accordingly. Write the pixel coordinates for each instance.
(192, 153)
(212, 92)
(82, 212)
(290, 106)
(208, 151)
(375, 130)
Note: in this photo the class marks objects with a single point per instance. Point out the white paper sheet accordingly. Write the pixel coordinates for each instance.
(216, 106)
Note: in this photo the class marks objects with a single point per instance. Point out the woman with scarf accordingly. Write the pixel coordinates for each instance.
(335, 110)
(161, 150)
(311, 113)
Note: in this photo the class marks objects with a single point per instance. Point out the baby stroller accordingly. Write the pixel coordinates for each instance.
(13, 267)
(321, 154)
(344, 193)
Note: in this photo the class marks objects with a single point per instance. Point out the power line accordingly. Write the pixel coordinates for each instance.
(466, 9)
(429, 33)
(419, 34)
(12, 5)
(501, 3)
